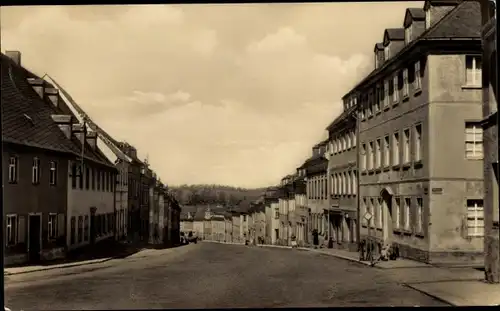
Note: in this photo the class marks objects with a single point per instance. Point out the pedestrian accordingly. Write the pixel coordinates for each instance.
(294, 241)
(315, 238)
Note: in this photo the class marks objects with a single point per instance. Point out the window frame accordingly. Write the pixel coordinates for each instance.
(475, 208)
(417, 140)
(13, 169)
(11, 230)
(477, 130)
(406, 146)
(474, 69)
(417, 83)
(35, 171)
(53, 173)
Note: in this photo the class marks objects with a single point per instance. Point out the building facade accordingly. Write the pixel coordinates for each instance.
(300, 213)
(317, 192)
(343, 178)
(491, 136)
(411, 114)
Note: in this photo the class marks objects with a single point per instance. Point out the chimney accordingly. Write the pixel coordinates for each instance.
(15, 56)
(80, 132)
(37, 85)
(53, 95)
(64, 123)
(379, 54)
(92, 139)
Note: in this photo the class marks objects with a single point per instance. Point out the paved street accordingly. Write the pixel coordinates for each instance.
(209, 275)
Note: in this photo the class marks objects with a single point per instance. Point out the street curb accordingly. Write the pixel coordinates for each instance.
(230, 243)
(430, 295)
(61, 267)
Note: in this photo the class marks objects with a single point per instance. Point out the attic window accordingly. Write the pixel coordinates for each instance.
(408, 34)
(30, 120)
(386, 52)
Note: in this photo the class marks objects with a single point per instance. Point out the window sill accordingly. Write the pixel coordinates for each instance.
(394, 104)
(378, 171)
(387, 108)
(12, 182)
(406, 166)
(420, 235)
(371, 172)
(417, 92)
(364, 173)
(387, 168)
(471, 87)
(378, 112)
(406, 232)
(474, 158)
(417, 164)
(370, 116)
(406, 98)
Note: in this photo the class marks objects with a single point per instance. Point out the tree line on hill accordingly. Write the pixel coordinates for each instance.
(214, 194)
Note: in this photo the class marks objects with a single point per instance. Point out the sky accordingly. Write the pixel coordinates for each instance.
(225, 94)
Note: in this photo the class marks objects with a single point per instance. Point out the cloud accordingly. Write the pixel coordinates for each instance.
(234, 94)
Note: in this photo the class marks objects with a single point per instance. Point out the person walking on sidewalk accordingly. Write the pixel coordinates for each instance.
(315, 238)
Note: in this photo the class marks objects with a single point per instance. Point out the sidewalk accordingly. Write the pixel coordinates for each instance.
(101, 252)
(462, 293)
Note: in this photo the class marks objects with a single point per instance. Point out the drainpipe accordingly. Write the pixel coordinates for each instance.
(358, 174)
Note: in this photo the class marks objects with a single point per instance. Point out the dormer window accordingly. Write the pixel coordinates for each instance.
(386, 52)
(427, 19)
(408, 34)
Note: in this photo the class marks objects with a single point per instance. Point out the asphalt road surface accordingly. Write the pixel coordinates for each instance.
(210, 275)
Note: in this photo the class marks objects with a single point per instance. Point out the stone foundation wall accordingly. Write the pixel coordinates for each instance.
(52, 254)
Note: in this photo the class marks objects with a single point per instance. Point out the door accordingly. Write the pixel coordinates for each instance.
(34, 238)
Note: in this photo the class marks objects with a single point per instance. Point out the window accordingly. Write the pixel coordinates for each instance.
(407, 213)
(363, 157)
(98, 179)
(420, 216)
(73, 175)
(344, 143)
(369, 111)
(395, 93)
(395, 149)
(387, 100)
(378, 156)
(370, 156)
(387, 54)
(353, 139)
(418, 79)
(406, 88)
(475, 218)
(354, 182)
(372, 212)
(408, 34)
(80, 175)
(11, 230)
(380, 215)
(387, 150)
(73, 224)
(418, 142)
(406, 150)
(53, 173)
(52, 226)
(80, 229)
(428, 19)
(348, 183)
(13, 169)
(364, 222)
(92, 178)
(473, 69)
(379, 94)
(87, 177)
(348, 139)
(35, 171)
(397, 213)
(473, 141)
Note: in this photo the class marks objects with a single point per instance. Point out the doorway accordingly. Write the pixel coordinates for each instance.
(34, 237)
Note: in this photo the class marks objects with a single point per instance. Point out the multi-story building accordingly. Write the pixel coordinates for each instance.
(420, 136)
(218, 227)
(36, 156)
(187, 223)
(272, 215)
(284, 198)
(317, 191)
(342, 174)
(228, 227)
(300, 212)
(173, 221)
(146, 182)
(490, 136)
(236, 225)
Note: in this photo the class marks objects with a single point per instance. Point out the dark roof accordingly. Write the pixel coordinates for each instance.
(463, 21)
(27, 119)
(395, 33)
(317, 164)
(416, 13)
(379, 46)
(342, 117)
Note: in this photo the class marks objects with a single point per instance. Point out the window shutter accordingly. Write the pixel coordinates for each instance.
(21, 231)
(61, 225)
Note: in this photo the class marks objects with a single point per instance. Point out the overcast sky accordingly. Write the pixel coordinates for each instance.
(227, 94)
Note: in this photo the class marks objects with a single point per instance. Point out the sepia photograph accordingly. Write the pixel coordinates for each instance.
(250, 155)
